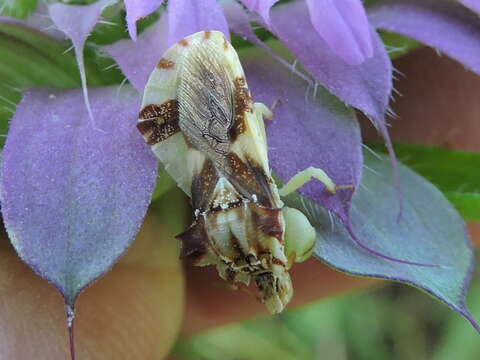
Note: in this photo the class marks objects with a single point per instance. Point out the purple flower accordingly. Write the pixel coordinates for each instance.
(342, 24)
(185, 16)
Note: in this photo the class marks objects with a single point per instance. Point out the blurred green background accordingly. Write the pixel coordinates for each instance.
(392, 321)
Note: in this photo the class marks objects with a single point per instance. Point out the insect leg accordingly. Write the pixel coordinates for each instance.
(262, 111)
(275, 104)
(305, 176)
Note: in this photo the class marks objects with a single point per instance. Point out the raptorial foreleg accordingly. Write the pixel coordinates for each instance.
(308, 174)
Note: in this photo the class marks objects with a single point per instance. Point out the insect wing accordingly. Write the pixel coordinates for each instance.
(197, 97)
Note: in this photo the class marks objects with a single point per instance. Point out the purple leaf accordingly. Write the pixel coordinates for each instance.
(137, 9)
(262, 7)
(307, 131)
(366, 86)
(444, 25)
(472, 4)
(73, 198)
(138, 59)
(77, 22)
(186, 17)
(430, 231)
(344, 26)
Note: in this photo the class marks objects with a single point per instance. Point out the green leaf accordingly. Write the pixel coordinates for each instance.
(456, 173)
(398, 45)
(17, 8)
(164, 184)
(114, 28)
(266, 339)
(360, 325)
(29, 57)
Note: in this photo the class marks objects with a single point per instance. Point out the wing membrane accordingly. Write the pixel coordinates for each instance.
(206, 110)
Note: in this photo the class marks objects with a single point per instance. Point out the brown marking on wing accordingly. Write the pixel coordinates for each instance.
(207, 34)
(165, 64)
(155, 133)
(249, 179)
(183, 42)
(242, 104)
(167, 111)
(203, 186)
(160, 122)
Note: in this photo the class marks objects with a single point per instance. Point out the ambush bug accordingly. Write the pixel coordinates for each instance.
(201, 122)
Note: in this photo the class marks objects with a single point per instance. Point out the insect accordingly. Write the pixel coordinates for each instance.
(200, 119)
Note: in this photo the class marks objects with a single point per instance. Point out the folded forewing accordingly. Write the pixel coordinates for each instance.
(197, 107)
